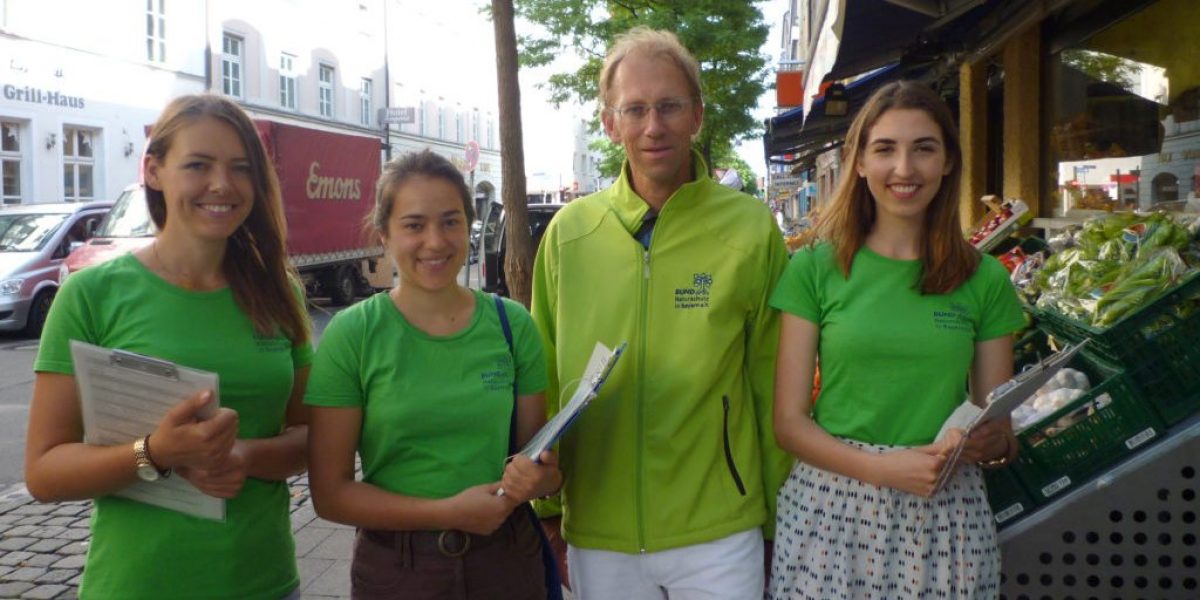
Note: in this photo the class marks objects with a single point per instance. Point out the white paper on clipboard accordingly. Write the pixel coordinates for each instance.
(1006, 398)
(123, 396)
(598, 368)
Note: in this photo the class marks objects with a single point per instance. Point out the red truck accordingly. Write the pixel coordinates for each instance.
(328, 184)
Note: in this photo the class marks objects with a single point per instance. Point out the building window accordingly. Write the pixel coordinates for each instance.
(156, 30)
(458, 127)
(364, 101)
(287, 81)
(475, 126)
(10, 162)
(421, 114)
(325, 90)
(231, 65)
(79, 164)
(441, 123)
(490, 132)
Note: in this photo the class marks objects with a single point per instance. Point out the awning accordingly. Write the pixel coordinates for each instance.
(786, 135)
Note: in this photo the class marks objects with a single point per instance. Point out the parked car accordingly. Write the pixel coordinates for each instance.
(126, 228)
(493, 240)
(34, 240)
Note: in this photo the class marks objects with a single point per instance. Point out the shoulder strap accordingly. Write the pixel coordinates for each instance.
(512, 351)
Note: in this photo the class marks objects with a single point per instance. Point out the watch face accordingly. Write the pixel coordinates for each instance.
(147, 473)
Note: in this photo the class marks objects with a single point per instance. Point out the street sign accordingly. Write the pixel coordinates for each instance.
(471, 155)
(397, 114)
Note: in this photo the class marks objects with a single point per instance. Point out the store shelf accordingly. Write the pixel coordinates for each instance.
(1132, 530)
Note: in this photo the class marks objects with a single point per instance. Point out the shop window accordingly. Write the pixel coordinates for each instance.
(325, 90)
(1125, 113)
(287, 81)
(156, 30)
(10, 162)
(231, 65)
(79, 164)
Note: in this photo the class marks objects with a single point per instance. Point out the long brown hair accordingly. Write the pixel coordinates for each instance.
(255, 263)
(947, 260)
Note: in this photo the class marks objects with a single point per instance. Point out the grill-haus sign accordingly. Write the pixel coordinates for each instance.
(39, 96)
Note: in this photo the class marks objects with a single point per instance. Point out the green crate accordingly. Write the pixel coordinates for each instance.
(1030, 348)
(1156, 345)
(1008, 498)
(1083, 438)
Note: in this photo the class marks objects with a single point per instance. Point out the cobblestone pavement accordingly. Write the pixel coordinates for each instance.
(42, 547)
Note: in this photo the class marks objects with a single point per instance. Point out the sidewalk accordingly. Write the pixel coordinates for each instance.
(42, 547)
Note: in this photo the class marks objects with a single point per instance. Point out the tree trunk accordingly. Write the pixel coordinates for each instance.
(518, 265)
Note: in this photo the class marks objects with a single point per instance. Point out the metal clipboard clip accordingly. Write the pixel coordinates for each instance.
(151, 366)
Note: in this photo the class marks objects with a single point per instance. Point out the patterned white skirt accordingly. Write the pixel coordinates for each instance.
(837, 537)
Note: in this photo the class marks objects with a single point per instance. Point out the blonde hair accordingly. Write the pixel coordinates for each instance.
(652, 42)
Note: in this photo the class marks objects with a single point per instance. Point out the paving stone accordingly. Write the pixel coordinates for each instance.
(72, 593)
(85, 522)
(71, 510)
(339, 545)
(8, 506)
(34, 508)
(5, 571)
(302, 516)
(16, 543)
(56, 576)
(13, 559)
(322, 523)
(21, 531)
(76, 533)
(45, 592)
(26, 574)
(335, 581)
(70, 562)
(308, 538)
(14, 589)
(47, 531)
(311, 569)
(61, 521)
(75, 581)
(74, 548)
(8, 519)
(32, 520)
(42, 560)
(48, 545)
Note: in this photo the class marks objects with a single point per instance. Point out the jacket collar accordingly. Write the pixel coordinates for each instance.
(631, 208)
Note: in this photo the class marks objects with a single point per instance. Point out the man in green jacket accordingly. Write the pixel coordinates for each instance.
(671, 474)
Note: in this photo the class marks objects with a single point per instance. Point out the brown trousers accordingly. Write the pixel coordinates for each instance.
(449, 565)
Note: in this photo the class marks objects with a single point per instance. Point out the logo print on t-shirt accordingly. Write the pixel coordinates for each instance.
(696, 295)
(955, 317)
(500, 377)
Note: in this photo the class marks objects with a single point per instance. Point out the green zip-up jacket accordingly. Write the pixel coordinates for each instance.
(678, 449)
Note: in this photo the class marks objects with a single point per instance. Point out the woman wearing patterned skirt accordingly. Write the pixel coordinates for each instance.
(907, 318)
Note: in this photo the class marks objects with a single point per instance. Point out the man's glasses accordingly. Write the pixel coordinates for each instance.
(666, 109)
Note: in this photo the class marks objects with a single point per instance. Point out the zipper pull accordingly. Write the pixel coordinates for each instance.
(646, 256)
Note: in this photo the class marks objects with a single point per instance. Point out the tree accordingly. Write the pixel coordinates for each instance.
(518, 263)
(724, 36)
(1104, 67)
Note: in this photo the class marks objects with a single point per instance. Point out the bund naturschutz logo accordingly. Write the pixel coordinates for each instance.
(696, 295)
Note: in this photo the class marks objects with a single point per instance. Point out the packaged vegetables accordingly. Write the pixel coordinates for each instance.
(1067, 386)
(1111, 267)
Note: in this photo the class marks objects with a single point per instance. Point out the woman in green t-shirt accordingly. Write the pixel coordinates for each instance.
(420, 381)
(213, 291)
(903, 313)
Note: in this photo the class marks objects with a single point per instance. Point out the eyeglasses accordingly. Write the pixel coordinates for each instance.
(666, 109)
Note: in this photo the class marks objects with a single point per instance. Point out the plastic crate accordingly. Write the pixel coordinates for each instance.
(1085, 437)
(1157, 345)
(1008, 498)
(1030, 348)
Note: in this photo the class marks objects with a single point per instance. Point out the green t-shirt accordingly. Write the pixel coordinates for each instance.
(894, 363)
(142, 551)
(436, 409)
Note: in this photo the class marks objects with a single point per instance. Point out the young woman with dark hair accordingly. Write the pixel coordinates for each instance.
(906, 317)
(212, 292)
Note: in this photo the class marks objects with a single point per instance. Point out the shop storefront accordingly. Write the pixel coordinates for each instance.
(72, 124)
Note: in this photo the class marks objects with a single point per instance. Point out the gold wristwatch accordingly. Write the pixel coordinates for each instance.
(145, 469)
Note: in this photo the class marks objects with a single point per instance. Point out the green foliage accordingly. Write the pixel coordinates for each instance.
(1104, 67)
(724, 36)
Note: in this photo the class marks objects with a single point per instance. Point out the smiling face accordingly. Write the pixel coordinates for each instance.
(426, 233)
(658, 146)
(205, 179)
(903, 161)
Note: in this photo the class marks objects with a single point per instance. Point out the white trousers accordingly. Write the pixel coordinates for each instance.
(730, 568)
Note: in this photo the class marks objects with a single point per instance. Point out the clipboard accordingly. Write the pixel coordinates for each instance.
(599, 367)
(1007, 396)
(123, 396)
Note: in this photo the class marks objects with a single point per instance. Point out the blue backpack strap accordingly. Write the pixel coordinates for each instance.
(549, 563)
